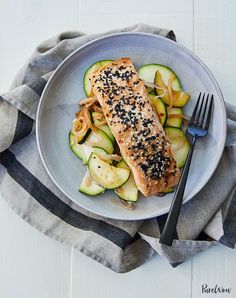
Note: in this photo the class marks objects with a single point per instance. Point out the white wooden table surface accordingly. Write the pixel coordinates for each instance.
(34, 266)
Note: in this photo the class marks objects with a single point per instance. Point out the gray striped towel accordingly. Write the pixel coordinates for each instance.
(207, 219)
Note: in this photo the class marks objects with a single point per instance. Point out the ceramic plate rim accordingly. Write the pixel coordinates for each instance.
(200, 185)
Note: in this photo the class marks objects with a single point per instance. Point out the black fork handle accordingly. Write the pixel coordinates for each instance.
(168, 232)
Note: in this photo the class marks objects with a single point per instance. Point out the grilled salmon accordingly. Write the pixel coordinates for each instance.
(135, 126)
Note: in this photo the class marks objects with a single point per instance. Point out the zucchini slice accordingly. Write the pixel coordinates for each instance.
(76, 148)
(175, 121)
(180, 98)
(83, 151)
(128, 191)
(101, 140)
(88, 73)
(150, 90)
(105, 128)
(147, 72)
(105, 174)
(179, 144)
(87, 150)
(89, 187)
(159, 107)
(168, 190)
(84, 136)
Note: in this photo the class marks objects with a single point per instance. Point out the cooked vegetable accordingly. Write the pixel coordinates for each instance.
(147, 72)
(179, 144)
(83, 151)
(87, 150)
(101, 140)
(76, 148)
(159, 107)
(128, 191)
(110, 157)
(88, 73)
(123, 204)
(80, 128)
(100, 122)
(150, 90)
(88, 119)
(105, 174)
(153, 87)
(88, 101)
(168, 190)
(98, 116)
(89, 187)
(173, 117)
(173, 95)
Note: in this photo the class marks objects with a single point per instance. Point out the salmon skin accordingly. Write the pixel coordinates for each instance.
(135, 126)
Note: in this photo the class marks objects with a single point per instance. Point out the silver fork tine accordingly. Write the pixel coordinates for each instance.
(198, 116)
(206, 126)
(195, 109)
(203, 117)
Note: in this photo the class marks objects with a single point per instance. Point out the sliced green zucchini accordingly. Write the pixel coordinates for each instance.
(168, 190)
(128, 191)
(76, 148)
(179, 97)
(89, 187)
(179, 144)
(97, 114)
(105, 128)
(122, 165)
(83, 151)
(150, 90)
(106, 175)
(101, 140)
(147, 72)
(159, 107)
(88, 73)
(174, 121)
(87, 150)
(84, 136)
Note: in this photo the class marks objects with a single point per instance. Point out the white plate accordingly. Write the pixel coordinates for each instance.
(60, 100)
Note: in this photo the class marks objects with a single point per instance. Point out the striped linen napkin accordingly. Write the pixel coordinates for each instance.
(208, 218)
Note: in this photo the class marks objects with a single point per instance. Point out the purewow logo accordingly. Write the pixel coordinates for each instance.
(215, 290)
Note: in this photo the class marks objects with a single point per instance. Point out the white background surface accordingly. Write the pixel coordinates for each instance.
(34, 266)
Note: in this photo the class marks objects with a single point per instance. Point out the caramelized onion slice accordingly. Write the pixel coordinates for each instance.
(88, 101)
(152, 85)
(123, 204)
(181, 116)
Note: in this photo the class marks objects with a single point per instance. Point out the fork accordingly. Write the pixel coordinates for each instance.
(197, 128)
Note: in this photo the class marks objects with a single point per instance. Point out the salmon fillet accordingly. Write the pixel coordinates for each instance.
(135, 126)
